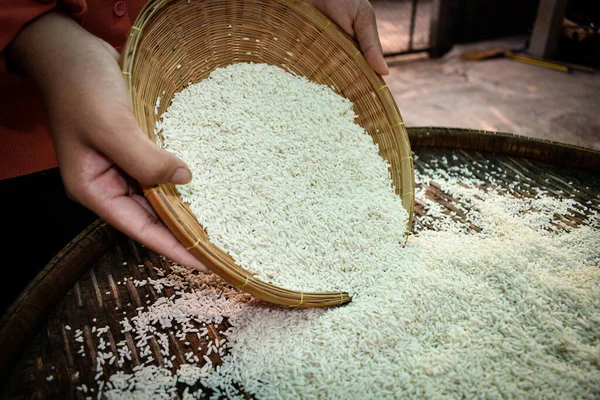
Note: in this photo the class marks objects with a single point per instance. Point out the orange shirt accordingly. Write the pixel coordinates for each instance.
(25, 142)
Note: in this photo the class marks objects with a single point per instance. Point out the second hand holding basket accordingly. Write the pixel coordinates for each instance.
(174, 43)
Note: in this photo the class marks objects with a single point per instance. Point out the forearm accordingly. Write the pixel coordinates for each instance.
(53, 50)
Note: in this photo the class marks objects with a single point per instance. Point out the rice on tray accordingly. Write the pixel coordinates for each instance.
(294, 190)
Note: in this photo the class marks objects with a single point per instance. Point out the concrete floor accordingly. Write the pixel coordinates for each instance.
(497, 95)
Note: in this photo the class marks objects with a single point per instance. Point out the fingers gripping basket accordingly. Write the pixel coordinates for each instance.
(177, 42)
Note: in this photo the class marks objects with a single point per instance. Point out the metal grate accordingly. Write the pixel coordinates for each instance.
(404, 25)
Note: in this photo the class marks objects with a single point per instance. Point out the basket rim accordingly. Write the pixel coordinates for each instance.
(157, 195)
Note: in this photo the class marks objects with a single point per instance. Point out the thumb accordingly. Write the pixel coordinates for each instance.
(151, 165)
(365, 26)
(141, 158)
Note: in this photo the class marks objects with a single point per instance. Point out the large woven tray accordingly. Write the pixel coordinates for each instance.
(80, 285)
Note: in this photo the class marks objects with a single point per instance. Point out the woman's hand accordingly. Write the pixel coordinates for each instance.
(357, 19)
(98, 142)
(101, 151)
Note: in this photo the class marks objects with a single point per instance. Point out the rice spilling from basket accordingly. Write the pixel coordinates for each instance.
(285, 180)
(495, 297)
(508, 310)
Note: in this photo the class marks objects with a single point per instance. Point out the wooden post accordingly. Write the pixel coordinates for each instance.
(547, 28)
(443, 20)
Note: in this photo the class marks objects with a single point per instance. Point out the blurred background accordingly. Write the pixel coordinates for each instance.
(520, 66)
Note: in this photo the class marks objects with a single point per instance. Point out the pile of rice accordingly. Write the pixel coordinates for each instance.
(509, 310)
(284, 180)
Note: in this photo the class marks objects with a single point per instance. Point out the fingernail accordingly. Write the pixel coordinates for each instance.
(181, 176)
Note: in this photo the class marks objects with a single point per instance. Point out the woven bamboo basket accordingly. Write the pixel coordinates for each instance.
(174, 43)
